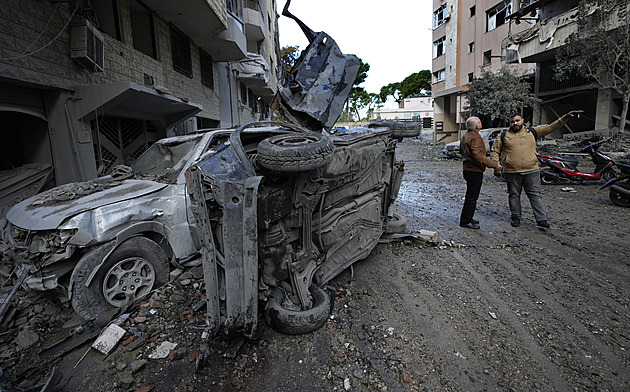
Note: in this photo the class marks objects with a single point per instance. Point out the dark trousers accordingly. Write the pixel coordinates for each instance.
(530, 182)
(473, 187)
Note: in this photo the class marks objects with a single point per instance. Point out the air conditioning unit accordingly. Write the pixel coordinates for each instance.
(86, 45)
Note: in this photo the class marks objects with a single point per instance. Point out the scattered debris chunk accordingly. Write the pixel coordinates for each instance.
(163, 350)
(108, 339)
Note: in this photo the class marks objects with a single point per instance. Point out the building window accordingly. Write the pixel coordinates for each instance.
(495, 16)
(203, 123)
(438, 47)
(106, 12)
(439, 16)
(251, 100)
(142, 29)
(243, 94)
(207, 76)
(235, 7)
(180, 47)
(471, 47)
(487, 57)
(439, 76)
(471, 77)
(472, 11)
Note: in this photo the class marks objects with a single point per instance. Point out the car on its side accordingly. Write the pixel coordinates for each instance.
(489, 135)
(283, 210)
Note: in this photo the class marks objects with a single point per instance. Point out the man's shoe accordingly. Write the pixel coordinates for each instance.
(515, 222)
(475, 221)
(469, 225)
(542, 225)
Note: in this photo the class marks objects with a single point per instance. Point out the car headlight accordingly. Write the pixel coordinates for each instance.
(19, 236)
(65, 235)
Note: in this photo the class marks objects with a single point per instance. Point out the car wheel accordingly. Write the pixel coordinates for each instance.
(295, 152)
(133, 269)
(397, 224)
(402, 133)
(619, 198)
(546, 179)
(295, 322)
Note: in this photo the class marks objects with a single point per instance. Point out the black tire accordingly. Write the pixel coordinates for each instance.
(619, 199)
(295, 322)
(133, 270)
(546, 179)
(292, 153)
(397, 224)
(402, 133)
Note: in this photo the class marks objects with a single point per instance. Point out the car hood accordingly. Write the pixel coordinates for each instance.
(47, 210)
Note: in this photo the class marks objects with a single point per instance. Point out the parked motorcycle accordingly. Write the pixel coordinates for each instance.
(554, 169)
(620, 186)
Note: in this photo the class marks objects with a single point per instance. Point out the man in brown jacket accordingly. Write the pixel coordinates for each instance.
(473, 150)
(517, 150)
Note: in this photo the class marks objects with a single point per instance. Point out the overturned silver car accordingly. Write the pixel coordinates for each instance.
(282, 210)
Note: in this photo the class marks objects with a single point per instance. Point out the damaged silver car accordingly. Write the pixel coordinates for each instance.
(106, 242)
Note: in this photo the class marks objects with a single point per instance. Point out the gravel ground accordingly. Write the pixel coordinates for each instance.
(496, 309)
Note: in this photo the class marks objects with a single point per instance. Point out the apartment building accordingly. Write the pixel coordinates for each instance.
(538, 44)
(86, 85)
(467, 39)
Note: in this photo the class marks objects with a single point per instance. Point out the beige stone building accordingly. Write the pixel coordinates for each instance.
(467, 38)
(86, 85)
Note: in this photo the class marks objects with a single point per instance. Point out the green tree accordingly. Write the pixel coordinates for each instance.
(495, 95)
(289, 55)
(600, 49)
(391, 89)
(416, 84)
(358, 97)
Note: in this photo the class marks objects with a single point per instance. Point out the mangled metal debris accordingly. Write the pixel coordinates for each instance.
(315, 90)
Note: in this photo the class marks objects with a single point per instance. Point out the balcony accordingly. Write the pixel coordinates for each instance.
(254, 19)
(540, 42)
(230, 44)
(198, 19)
(254, 73)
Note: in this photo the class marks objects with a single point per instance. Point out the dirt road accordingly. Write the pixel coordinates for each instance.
(496, 309)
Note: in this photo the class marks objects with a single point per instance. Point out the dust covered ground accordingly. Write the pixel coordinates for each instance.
(496, 309)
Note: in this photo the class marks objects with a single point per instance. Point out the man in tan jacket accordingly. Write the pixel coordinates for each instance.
(517, 150)
(473, 150)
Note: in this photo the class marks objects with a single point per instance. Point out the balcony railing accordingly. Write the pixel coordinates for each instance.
(548, 82)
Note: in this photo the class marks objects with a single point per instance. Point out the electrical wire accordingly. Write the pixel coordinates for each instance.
(25, 54)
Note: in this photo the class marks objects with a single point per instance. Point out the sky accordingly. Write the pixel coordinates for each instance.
(393, 36)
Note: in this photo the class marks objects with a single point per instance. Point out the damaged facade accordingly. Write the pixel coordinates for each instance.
(471, 36)
(86, 86)
(549, 24)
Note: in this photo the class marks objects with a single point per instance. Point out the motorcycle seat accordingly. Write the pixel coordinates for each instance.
(571, 162)
(566, 159)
